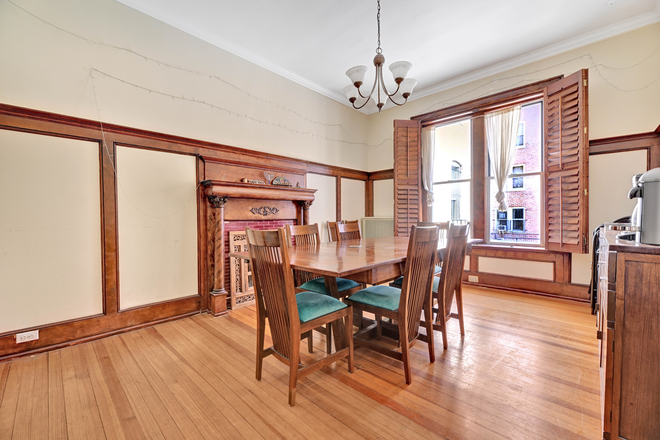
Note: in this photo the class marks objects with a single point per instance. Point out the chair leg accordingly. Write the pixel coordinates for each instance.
(328, 338)
(261, 330)
(310, 341)
(379, 328)
(405, 351)
(429, 332)
(293, 373)
(349, 341)
(459, 306)
(359, 314)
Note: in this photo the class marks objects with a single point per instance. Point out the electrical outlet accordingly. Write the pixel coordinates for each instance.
(27, 336)
(473, 278)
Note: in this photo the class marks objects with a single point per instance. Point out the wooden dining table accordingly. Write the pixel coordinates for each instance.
(368, 260)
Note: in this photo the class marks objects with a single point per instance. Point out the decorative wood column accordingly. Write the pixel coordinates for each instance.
(304, 205)
(218, 296)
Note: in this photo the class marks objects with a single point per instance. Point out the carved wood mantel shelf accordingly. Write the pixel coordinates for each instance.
(237, 201)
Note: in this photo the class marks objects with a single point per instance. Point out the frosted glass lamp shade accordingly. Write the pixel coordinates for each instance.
(351, 92)
(407, 87)
(399, 70)
(356, 75)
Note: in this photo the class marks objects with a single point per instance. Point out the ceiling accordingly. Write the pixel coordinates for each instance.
(448, 42)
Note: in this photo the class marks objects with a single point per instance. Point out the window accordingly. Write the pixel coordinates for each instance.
(560, 186)
(523, 191)
(518, 219)
(520, 138)
(452, 169)
(517, 183)
(512, 220)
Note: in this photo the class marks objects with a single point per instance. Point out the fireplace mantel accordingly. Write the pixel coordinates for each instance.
(255, 191)
(238, 201)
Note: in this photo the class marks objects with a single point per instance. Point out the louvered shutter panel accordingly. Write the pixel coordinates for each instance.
(567, 164)
(407, 176)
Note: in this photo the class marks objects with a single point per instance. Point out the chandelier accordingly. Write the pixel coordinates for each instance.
(399, 70)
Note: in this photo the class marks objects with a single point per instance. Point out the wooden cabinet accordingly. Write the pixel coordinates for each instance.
(628, 320)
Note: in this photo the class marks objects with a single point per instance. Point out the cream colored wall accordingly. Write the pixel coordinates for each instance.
(352, 199)
(610, 180)
(621, 102)
(325, 201)
(246, 106)
(50, 230)
(157, 213)
(384, 198)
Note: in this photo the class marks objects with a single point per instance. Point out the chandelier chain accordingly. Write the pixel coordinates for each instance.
(378, 49)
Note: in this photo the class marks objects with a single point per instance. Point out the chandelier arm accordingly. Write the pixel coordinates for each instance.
(372, 89)
(396, 103)
(398, 86)
(363, 104)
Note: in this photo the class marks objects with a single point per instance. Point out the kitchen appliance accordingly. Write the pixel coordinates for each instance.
(646, 216)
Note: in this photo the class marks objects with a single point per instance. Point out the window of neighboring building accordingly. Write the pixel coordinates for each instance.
(452, 172)
(520, 138)
(517, 183)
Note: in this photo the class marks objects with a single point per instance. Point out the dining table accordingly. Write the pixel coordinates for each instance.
(367, 260)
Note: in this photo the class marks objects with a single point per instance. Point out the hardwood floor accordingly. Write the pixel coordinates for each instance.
(527, 369)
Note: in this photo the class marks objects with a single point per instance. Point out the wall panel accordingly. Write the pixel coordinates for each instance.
(323, 209)
(50, 230)
(157, 211)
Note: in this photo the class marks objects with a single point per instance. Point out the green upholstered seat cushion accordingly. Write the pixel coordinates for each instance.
(313, 305)
(318, 285)
(399, 281)
(385, 297)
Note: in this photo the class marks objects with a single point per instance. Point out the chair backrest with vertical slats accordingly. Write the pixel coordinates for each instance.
(452, 263)
(349, 231)
(273, 283)
(332, 231)
(444, 227)
(303, 234)
(418, 275)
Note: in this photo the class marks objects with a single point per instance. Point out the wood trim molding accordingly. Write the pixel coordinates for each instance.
(470, 108)
(62, 334)
(381, 175)
(619, 144)
(559, 286)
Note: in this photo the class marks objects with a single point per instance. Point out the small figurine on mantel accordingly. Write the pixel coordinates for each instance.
(269, 177)
(297, 184)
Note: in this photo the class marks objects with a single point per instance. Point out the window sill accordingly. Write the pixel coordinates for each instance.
(510, 247)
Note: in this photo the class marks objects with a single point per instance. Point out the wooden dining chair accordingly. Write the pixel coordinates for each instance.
(349, 231)
(290, 315)
(332, 231)
(450, 284)
(443, 228)
(308, 235)
(404, 305)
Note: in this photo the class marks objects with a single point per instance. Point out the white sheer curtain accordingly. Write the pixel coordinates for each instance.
(501, 132)
(428, 151)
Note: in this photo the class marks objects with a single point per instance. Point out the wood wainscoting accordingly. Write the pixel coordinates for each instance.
(558, 284)
(219, 162)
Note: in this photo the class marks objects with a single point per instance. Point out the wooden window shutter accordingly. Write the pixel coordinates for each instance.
(407, 176)
(567, 164)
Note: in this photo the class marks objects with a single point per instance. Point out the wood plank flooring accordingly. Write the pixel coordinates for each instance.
(526, 369)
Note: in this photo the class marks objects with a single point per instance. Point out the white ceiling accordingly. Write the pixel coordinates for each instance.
(449, 42)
